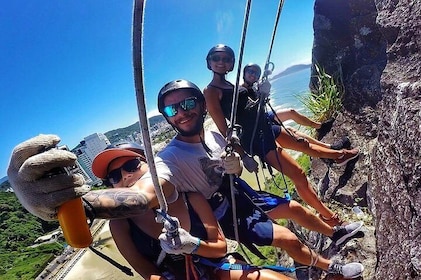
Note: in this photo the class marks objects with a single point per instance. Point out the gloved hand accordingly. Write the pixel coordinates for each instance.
(250, 164)
(232, 163)
(40, 193)
(179, 242)
(264, 89)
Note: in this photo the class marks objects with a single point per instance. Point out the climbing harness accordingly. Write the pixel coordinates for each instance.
(231, 265)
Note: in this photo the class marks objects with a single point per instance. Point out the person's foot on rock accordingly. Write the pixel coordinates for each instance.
(347, 157)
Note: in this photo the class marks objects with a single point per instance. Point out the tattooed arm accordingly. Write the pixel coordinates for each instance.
(125, 202)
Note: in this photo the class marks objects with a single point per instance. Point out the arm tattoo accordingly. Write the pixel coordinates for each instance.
(117, 203)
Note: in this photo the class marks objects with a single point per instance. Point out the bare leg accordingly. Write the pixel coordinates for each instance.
(284, 163)
(291, 114)
(308, 137)
(288, 142)
(288, 241)
(302, 216)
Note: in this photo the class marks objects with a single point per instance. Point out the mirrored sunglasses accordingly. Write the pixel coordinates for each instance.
(252, 72)
(187, 104)
(114, 176)
(217, 58)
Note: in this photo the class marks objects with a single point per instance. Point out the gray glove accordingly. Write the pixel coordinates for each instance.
(263, 89)
(181, 242)
(232, 163)
(250, 164)
(33, 178)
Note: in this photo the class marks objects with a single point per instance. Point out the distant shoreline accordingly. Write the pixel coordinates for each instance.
(291, 69)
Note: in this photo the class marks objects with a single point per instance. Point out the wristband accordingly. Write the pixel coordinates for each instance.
(197, 246)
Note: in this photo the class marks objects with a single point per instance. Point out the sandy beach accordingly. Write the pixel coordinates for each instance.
(87, 265)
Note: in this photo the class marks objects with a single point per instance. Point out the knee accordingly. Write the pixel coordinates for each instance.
(296, 208)
(299, 177)
(285, 238)
(288, 241)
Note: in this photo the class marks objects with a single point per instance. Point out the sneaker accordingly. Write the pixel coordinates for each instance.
(342, 233)
(347, 157)
(349, 270)
(340, 144)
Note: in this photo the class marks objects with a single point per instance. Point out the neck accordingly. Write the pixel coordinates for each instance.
(218, 78)
(191, 139)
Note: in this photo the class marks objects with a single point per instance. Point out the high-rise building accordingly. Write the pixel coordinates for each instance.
(94, 144)
(89, 148)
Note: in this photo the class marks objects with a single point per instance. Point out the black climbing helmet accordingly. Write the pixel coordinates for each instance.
(220, 48)
(256, 68)
(176, 85)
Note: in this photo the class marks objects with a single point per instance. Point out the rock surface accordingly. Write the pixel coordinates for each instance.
(376, 46)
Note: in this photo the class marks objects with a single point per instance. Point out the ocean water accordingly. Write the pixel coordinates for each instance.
(286, 89)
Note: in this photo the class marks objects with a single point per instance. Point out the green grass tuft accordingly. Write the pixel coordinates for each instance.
(325, 100)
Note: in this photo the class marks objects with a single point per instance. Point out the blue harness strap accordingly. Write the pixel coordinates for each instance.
(264, 200)
(238, 266)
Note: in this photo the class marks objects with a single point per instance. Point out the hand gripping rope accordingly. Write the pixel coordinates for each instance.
(138, 16)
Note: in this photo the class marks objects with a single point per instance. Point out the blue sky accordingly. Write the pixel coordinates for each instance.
(66, 66)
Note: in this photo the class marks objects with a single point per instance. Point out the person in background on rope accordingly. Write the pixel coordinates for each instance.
(121, 167)
(267, 141)
(191, 162)
(251, 75)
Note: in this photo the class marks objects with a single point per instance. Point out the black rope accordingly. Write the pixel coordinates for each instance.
(123, 268)
(278, 15)
(233, 121)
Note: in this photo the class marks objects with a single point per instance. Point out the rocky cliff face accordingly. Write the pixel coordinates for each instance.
(376, 44)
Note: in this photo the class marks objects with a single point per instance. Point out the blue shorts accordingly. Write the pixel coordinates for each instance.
(254, 225)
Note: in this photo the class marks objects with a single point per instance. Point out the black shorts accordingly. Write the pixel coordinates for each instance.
(264, 139)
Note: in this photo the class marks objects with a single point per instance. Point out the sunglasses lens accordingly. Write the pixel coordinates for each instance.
(251, 72)
(114, 176)
(216, 58)
(188, 104)
(226, 59)
(131, 165)
(170, 110)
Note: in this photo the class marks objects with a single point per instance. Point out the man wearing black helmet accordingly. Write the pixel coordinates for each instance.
(191, 162)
